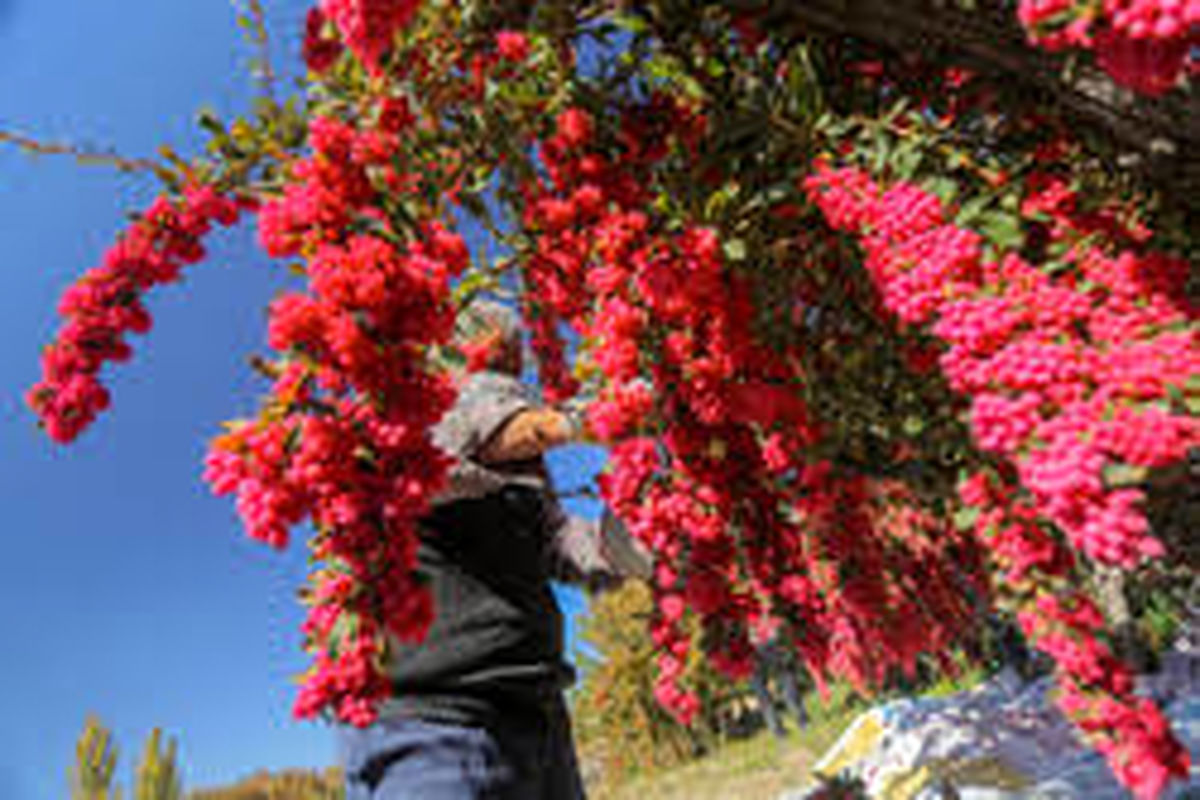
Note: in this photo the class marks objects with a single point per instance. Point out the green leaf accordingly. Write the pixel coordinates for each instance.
(735, 249)
(471, 284)
(630, 22)
(1003, 230)
(970, 211)
(1193, 405)
(719, 200)
(881, 144)
(906, 160)
(1176, 395)
(207, 119)
(1191, 387)
(944, 188)
(1124, 474)
(966, 517)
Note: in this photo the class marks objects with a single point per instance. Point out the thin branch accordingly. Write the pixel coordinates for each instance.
(254, 20)
(575, 492)
(87, 156)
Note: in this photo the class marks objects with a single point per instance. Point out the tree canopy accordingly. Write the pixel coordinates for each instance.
(883, 310)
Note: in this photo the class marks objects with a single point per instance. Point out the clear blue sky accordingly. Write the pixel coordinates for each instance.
(129, 590)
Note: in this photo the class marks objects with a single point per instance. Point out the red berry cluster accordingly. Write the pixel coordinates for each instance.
(106, 304)
(368, 27)
(1144, 44)
(1069, 374)
(1096, 689)
(345, 441)
(320, 49)
(709, 433)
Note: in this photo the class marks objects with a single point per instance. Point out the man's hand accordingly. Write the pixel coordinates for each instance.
(575, 411)
(528, 435)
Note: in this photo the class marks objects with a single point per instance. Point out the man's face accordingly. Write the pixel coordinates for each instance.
(497, 352)
(508, 357)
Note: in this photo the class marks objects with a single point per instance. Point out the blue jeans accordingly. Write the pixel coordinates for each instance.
(525, 757)
(770, 659)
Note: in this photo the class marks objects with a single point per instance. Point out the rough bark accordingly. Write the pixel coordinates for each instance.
(1157, 137)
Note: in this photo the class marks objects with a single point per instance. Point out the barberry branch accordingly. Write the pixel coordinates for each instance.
(253, 20)
(83, 154)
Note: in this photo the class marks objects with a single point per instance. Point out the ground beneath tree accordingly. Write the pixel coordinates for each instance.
(761, 767)
(1002, 740)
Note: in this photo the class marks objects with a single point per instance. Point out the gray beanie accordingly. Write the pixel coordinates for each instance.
(483, 317)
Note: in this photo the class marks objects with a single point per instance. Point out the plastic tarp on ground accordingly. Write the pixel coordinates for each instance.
(1003, 740)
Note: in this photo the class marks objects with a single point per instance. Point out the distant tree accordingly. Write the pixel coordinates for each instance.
(91, 778)
(157, 775)
(620, 725)
(287, 785)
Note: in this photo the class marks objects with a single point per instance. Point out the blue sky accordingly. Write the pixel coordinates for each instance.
(130, 591)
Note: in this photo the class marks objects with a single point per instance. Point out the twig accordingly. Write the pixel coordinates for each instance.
(87, 156)
(254, 20)
(578, 491)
